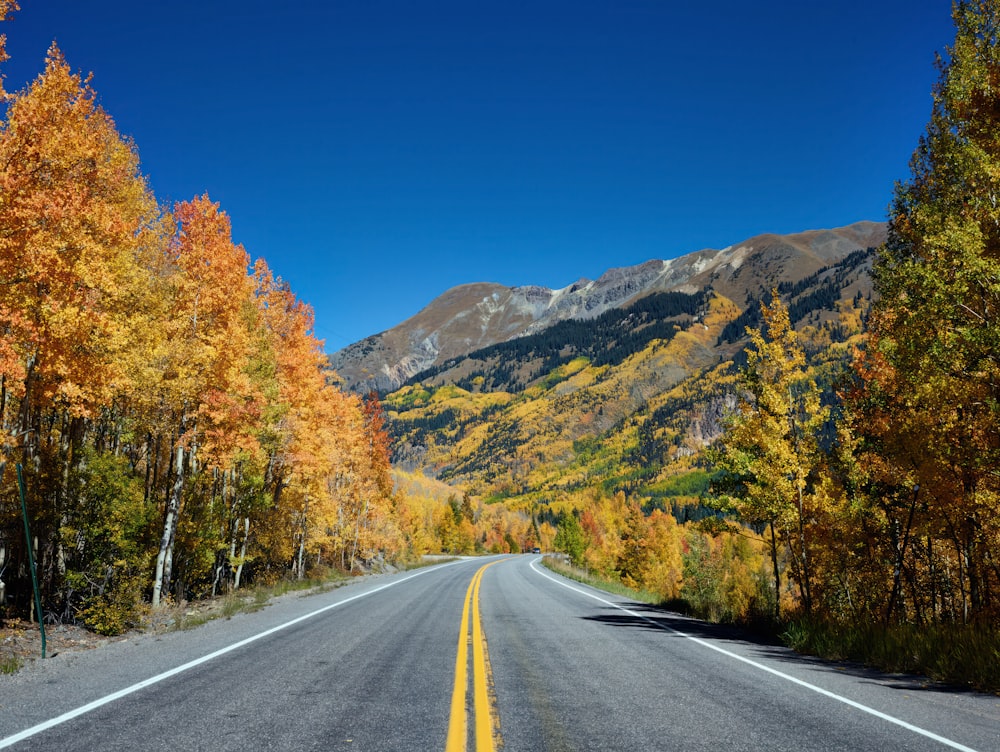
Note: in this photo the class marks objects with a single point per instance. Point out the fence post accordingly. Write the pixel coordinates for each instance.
(31, 558)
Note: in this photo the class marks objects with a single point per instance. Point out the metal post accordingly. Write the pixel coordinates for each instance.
(31, 558)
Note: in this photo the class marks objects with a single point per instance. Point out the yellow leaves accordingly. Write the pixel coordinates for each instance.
(447, 393)
(211, 330)
(6, 8)
(322, 451)
(769, 460)
(651, 553)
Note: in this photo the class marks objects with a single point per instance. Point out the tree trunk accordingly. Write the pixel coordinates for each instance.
(900, 553)
(149, 466)
(66, 453)
(3, 397)
(164, 559)
(24, 419)
(804, 554)
(300, 572)
(777, 574)
(300, 569)
(363, 514)
(243, 554)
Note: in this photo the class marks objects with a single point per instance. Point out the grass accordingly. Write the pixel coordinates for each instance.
(957, 654)
(422, 562)
(192, 615)
(589, 578)
(10, 664)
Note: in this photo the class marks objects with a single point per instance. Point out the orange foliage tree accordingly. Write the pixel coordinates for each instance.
(74, 211)
(178, 421)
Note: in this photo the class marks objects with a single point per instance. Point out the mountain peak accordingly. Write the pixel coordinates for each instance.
(476, 315)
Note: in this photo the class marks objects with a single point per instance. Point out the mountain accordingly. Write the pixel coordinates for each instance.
(624, 395)
(475, 316)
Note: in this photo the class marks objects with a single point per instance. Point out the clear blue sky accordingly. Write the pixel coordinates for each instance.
(378, 152)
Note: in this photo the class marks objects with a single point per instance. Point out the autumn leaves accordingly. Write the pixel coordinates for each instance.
(143, 342)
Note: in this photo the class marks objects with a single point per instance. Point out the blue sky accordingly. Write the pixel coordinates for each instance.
(378, 152)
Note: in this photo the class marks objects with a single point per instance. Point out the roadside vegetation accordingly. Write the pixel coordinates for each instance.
(187, 615)
(963, 656)
(560, 566)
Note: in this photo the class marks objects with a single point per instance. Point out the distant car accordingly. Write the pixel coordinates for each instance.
(536, 550)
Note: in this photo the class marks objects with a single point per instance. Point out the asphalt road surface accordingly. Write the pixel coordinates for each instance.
(396, 663)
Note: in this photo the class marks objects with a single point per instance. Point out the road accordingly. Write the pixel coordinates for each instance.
(380, 665)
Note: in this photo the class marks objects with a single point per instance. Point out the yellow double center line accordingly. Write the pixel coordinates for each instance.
(458, 725)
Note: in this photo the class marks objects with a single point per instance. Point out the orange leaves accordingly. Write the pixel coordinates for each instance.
(213, 329)
(331, 451)
(124, 327)
(72, 207)
(650, 557)
(6, 8)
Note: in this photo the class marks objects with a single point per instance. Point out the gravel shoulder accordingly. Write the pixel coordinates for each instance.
(21, 643)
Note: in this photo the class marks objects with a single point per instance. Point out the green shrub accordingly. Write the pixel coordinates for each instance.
(109, 543)
(10, 664)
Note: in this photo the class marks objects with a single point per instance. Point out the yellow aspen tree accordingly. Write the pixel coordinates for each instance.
(76, 216)
(205, 385)
(321, 449)
(769, 458)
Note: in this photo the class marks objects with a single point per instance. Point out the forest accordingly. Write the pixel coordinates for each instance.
(824, 291)
(607, 339)
(898, 519)
(172, 413)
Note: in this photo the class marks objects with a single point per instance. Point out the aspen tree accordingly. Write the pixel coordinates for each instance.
(205, 385)
(769, 457)
(935, 331)
(73, 211)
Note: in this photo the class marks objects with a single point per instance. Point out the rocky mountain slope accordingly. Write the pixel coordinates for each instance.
(472, 317)
(626, 399)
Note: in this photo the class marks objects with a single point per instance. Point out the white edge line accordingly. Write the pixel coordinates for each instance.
(84, 709)
(819, 690)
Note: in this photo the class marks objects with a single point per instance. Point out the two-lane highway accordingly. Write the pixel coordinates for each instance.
(376, 666)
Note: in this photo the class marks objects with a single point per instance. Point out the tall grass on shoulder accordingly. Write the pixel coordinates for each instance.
(428, 560)
(326, 579)
(963, 655)
(10, 664)
(560, 566)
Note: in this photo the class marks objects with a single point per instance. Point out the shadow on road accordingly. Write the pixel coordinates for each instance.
(758, 646)
(646, 616)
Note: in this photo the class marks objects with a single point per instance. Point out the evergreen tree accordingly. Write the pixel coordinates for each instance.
(570, 538)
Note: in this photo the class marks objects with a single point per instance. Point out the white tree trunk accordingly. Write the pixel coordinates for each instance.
(164, 559)
(243, 553)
